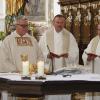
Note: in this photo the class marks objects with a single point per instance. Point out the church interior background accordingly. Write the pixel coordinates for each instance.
(82, 17)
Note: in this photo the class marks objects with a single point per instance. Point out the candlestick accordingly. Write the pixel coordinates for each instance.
(25, 65)
(25, 68)
(40, 68)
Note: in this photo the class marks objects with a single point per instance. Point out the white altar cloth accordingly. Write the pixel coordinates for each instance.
(81, 77)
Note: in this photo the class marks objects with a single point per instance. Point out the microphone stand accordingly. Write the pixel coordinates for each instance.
(92, 66)
(51, 60)
(92, 72)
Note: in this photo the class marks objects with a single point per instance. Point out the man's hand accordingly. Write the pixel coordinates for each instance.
(52, 55)
(65, 55)
(91, 56)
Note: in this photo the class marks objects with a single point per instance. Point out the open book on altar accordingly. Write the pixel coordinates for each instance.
(79, 69)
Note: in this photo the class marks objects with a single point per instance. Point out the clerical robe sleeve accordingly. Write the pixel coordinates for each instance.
(73, 54)
(39, 52)
(43, 46)
(6, 65)
(87, 50)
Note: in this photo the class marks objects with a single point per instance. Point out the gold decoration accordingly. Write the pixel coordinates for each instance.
(13, 6)
(23, 41)
(32, 68)
(24, 57)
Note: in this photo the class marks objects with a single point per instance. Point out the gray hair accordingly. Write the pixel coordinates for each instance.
(21, 17)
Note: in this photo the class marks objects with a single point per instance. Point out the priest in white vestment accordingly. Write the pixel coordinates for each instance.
(91, 58)
(16, 44)
(59, 46)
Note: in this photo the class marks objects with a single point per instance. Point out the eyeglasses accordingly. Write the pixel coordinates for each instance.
(23, 25)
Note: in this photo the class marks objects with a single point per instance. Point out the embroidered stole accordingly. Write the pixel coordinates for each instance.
(50, 40)
(23, 41)
(66, 41)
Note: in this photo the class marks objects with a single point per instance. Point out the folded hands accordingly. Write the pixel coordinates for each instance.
(53, 55)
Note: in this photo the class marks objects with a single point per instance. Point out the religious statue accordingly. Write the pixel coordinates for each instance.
(34, 8)
(87, 18)
(76, 25)
(86, 26)
(96, 21)
(13, 6)
(97, 18)
(69, 21)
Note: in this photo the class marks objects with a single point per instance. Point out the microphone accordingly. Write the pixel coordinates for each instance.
(51, 59)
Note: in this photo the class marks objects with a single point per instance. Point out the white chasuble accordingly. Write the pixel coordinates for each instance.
(58, 44)
(94, 66)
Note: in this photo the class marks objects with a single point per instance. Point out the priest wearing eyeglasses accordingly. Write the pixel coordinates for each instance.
(16, 44)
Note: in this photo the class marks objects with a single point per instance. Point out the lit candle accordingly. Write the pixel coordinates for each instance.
(25, 68)
(40, 68)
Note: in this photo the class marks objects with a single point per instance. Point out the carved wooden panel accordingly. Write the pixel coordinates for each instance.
(82, 18)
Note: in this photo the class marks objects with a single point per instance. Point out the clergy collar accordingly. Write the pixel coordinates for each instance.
(25, 35)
